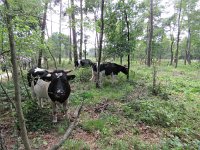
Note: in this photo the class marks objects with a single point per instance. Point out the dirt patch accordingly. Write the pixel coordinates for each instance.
(148, 134)
(89, 138)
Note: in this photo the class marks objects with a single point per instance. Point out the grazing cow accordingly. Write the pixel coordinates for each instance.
(83, 63)
(54, 86)
(108, 69)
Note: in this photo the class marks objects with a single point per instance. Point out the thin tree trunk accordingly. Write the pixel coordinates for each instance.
(43, 25)
(96, 39)
(60, 38)
(188, 44)
(178, 35)
(85, 52)
(149, 49)
(81, 36)
(100, 44)
(19, 112)
(74, 33)
(171, 50)
(70, 35)
(128, 39)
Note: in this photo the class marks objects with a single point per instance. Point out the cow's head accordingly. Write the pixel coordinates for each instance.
(125, 69)
(59, 88)
(34, 74)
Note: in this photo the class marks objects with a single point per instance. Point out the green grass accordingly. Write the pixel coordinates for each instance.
(128, 111)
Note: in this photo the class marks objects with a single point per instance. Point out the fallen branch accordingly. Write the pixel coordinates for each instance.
(69, 130)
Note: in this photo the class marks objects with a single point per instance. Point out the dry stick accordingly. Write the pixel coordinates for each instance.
(69, 130)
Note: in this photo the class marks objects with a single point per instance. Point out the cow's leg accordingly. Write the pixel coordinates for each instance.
(92, 79)
(40, 102)
(54, 111)
(65, 114)
(113, 78)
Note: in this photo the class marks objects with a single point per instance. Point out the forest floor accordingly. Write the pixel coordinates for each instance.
(122, 115)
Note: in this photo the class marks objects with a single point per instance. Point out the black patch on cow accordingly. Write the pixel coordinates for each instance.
(34, 76)
(83, 63)
(59, 88)
(111, 68)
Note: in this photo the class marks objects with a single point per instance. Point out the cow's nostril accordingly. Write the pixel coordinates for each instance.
(59, 91)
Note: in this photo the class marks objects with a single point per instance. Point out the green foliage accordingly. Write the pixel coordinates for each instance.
(152, 112)
(93, 125)
(83, 74)
(75, 145)
(178, 144)
(37, 119)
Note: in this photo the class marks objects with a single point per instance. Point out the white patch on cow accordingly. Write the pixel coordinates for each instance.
(49, 75)
(38, 69)
(59, 74)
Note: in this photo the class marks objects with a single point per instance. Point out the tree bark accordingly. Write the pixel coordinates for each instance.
(60, 38)
(81, 36)
(149, 49)
(70, 35)
(171, 50)
(100, 44)
(96, 38)
(19, 112)
(43, 25)
(178, 35)
(188, 43)
(74, 33)
(128, 39)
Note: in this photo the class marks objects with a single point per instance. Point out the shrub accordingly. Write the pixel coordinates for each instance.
(164, 114)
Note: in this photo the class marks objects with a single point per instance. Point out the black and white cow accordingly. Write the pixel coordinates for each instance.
(107, 69)
(83, 63)
(38, 86)
(55, 86)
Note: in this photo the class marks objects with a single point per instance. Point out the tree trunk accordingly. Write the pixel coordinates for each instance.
(178, 35)
(188, 44)
(149, 49)
(128, 39)
(74, 33)
(171, 50)
(81, 36)
(96, 38)
(19, 112)
(85, 52)
(43, 25)
(100, 44)
(70, 35)
(60, 38)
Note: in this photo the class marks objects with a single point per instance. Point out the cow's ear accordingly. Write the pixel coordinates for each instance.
(70, 77)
